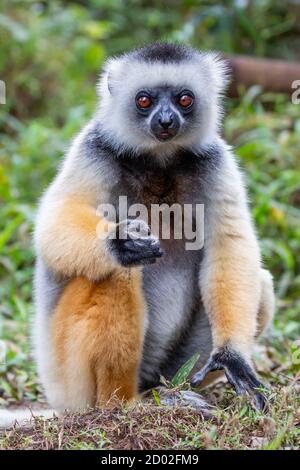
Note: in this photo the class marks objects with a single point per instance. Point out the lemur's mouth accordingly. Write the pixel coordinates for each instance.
(166, 135)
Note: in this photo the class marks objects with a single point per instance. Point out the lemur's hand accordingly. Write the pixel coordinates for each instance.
(134, 244)
(239, 372)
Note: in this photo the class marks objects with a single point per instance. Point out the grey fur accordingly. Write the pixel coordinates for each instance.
(48, 289)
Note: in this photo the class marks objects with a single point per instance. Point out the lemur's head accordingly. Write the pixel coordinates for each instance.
(161, 96)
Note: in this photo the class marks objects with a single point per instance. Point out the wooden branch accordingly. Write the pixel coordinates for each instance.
(271, 75)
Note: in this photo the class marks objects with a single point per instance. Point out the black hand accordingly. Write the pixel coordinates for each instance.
(239, 373)
(135, 245)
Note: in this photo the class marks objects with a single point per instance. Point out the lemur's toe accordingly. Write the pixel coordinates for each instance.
(239, 373)
(200, 376)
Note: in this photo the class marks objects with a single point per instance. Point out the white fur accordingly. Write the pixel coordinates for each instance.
(123, 77)
(45, 358)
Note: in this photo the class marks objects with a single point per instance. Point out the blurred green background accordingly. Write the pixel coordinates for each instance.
(50, 56)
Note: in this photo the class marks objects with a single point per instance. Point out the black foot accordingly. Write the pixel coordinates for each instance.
(134, 244)
(239, 373)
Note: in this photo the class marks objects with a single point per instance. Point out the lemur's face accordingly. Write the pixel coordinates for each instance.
(154, 104)
(163, 112)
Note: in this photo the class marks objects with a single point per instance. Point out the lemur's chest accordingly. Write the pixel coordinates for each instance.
(150, 187)
(157, 186)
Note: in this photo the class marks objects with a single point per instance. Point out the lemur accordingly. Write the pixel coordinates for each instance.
(115, 313)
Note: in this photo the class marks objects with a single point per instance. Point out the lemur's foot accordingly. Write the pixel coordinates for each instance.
(239, 372)
(134, 244)
(186, 398)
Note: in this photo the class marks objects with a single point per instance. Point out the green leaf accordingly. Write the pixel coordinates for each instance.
(184, 371)
(156, 397)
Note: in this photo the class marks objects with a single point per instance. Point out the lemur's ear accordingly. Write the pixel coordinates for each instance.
(220, 71)
(216, 71)
(109, 77)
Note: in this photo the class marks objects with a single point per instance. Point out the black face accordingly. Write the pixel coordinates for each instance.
(170, 110)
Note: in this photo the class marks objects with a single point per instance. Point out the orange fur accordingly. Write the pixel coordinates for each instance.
(231, 293)
(69, 239)
(97, 332)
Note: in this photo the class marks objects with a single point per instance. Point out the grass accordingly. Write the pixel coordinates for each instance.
(233, 425)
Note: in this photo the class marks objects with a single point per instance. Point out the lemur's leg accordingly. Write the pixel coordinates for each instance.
(230, 282)
(264, 319)
(98, 320)
(199, 339)
(97, 334)
(267, 303)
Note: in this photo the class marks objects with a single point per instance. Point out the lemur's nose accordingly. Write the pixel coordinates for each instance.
(166, 120)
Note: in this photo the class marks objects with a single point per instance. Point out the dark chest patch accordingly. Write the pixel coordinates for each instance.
(148, 183)
(164, 188)
(151, 186)
(143, 180)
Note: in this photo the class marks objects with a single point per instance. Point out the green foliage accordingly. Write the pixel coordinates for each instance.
(49, 58)
(182, 374)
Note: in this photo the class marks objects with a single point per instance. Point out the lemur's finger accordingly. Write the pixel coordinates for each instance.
(238, 372)
(200, 376)
(247, 383)
(260, 402)
(143, 245)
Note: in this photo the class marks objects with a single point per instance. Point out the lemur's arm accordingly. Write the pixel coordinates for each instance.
(230, 278)
(73, 240)
(67, 227)
(72, 237)
(67, 238)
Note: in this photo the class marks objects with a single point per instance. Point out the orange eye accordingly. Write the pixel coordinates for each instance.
(144, 102)
(186, 100)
